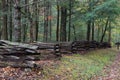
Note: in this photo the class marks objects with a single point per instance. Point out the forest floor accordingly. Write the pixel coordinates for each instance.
(112, 72)
(101, 64)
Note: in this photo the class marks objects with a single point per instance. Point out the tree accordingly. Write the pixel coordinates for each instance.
(93, 27)
(36, 20)
(107, 22)
(63, 34)
(50, 20)
(10, 27)
(24, 29)
(108, 10)
(88, 30)
(70, 15)
(58, 20)
(17, 21)
(46, 11)
(4, 27)
(109, 36)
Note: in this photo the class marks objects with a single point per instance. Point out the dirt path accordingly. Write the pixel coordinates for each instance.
(112, 72)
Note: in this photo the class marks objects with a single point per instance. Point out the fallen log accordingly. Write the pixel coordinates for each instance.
(18, 45)
(15, 48)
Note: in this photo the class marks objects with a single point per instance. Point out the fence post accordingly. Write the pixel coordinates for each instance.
(73, 47)
(57, 50)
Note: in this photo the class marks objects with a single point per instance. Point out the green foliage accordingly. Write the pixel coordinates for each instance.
(82, 11)
(77, 67)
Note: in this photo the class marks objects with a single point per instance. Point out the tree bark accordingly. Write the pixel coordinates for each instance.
(106, 25)
(46, 11)
(70, 12)
(58, 20)
(98, 33)
(109, 35)
(50, 21)
(24, 33)
(36, 20)
(74, 33)
(93, 25)
(10, 22)
(17, 22)
(4, 27)
(31, 30)
(63, 34)
(88, 30)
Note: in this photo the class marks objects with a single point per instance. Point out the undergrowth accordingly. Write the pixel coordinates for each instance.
(80, 67)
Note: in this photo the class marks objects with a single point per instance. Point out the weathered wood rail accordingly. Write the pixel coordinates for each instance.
(88, 45)
(25, 53)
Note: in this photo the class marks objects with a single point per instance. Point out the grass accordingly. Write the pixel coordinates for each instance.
(80, 67)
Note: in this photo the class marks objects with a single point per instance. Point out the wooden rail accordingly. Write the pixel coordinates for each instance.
(22, 52)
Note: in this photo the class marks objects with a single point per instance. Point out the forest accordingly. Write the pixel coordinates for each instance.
(59, 20)
(58, 39)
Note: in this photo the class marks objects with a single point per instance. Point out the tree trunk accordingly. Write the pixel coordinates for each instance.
(17, 22)
(50, 21)
(46, 11)
(98, 34)
(63, 34)
(109, 35)
(69, 30)
(36, 20)
(24, 33)
(4, 27)
(74, 33)
(10, 20)
(106, 25)
(58, 19)
(31, 30)
(88, 30)
(0, 18)
(93, 31)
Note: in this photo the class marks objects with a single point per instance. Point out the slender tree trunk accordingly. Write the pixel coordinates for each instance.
(17, 22)
(44, 36)
(109, 36)
(74, 33)
(10, 21)
(98, 34)
(88, 30)
(31, 30)
(36, 21)
(93, 30)
(4, 28)
(102, 30)
(33, 22)
(63, 34)
(24, 33)
(58, 20)
(1, 19)
(106, 25)
(46, 11)
(50, 20)
(37, 30)
(69, 30)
